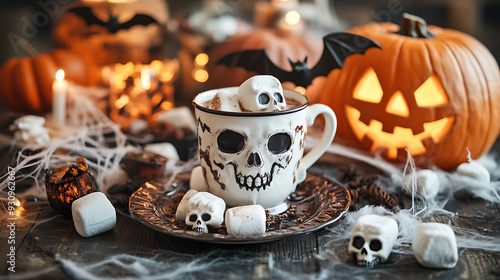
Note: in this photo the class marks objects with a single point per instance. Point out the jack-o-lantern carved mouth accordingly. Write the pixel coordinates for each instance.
(401, 137)
(257, 182)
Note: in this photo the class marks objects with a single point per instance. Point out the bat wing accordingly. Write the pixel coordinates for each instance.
(138, 19)
(337, 47)
(86, 14)
(257, 61)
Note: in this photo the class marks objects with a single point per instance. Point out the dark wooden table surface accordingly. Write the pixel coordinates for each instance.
(47, 246)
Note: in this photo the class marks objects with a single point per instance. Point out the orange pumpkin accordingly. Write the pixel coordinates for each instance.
(27, 82)
(280, 47)
(433, 91)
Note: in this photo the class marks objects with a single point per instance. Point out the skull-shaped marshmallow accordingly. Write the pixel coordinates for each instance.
(205, 209)
(261, 93)
(372, 239)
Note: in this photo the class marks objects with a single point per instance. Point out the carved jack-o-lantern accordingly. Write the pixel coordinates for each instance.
(429, 91)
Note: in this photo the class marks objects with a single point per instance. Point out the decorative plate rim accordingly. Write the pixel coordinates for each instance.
(144, 207)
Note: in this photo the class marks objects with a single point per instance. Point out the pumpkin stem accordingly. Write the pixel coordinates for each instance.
(414, 26)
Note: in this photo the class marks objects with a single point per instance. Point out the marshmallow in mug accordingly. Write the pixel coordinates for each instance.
(225, 101)
(261, 93)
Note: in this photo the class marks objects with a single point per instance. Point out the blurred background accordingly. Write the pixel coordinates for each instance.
(478, 18)
(34, 21)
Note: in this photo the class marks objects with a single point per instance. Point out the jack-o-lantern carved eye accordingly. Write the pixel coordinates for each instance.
(368, 88)
(431, 93)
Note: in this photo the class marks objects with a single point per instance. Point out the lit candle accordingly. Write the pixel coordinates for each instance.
(59, 88)
(145, 78)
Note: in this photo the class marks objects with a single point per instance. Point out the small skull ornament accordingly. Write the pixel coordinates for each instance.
(372, 239)
(261, 93)
(30, 129)
(204, 209)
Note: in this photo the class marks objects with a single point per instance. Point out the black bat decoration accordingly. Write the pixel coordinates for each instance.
(337, 47)
(112, 25)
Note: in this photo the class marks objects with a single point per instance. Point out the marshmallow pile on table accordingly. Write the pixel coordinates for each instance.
(203, 210)
(373, 237)
(261, 93)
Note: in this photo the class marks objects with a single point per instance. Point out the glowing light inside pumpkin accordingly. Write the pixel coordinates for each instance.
(401, 137)
(369, 89)
(397, 105)
(431, 93)
(292, 18)
(301, 90)
(138, 91)
(60, 75)
(201, 59)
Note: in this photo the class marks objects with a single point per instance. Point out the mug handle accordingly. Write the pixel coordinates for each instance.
(326, 138)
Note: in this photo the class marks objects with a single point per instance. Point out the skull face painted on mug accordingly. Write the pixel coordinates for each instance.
(245, 163)
(257, 157)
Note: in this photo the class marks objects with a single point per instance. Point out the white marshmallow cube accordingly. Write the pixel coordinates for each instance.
(93, 214)
(224, 100)
(164, 149)
(197, 180)
(474, 170)
(246, 220)
(180, 213)
(435, 246)
(179, 117)
(426, 183)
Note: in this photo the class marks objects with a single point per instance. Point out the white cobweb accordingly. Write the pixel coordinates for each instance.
(87, 132)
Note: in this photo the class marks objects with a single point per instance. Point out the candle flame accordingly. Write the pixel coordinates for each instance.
(60, 75)
(145, 78)
(17, 202)
(292, 17)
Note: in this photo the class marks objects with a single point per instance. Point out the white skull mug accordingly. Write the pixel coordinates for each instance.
(257, 157)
